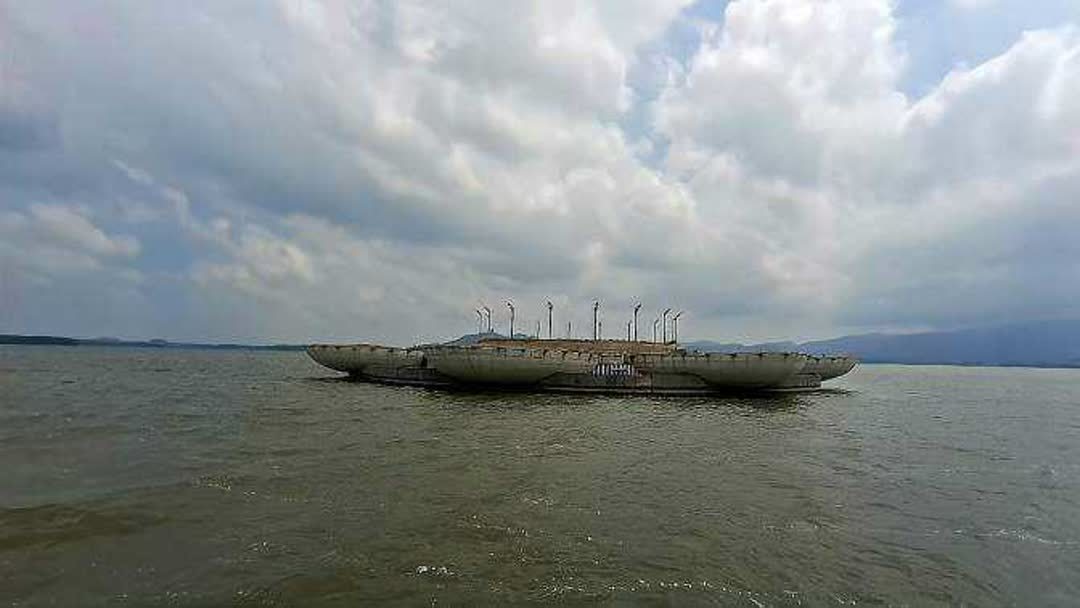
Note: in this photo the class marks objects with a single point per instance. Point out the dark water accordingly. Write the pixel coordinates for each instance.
(146, 477)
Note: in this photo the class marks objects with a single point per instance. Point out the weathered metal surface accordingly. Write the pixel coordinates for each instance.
(662, 384)
(354, 358)
(583, 346)
(506, 366)
(565, 365)
(829, 367)
(737, 370)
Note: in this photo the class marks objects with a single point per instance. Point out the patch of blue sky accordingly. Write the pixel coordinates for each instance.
(653, 66)
(941, 35)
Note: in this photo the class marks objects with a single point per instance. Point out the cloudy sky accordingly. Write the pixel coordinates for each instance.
(302, 170)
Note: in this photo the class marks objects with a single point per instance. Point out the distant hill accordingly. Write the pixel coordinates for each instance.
(155, 343)
(472, 339)
(53, 340)
(1036, 344)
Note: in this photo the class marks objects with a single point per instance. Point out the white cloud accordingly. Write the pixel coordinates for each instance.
(850, 184)
(321, 169)
(60, 237)
(67, 227)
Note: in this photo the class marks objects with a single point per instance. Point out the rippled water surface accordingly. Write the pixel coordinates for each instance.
(163, 477)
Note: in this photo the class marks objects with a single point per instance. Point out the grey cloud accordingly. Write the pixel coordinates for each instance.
(22, 131)
(372, 170)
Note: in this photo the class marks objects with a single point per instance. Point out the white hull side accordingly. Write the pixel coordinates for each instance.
(738, 370)
(355, 358)
(506, 366)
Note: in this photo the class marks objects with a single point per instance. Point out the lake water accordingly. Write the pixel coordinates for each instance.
(163, 477)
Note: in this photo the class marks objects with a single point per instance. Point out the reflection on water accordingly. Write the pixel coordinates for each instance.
(185, 477)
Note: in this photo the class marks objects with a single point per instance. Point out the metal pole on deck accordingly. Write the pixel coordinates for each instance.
(637, 307)
(675, 326)
(510, 305)
(595, 320)
(550, 306)
(667, 311)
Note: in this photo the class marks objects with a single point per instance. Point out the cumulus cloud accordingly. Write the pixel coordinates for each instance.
(71, 238)
(54, 259)
(893, 211)
(345, 170)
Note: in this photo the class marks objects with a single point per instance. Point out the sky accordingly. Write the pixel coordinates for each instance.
(304, 170)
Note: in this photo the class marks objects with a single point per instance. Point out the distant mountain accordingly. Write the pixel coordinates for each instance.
(53, 340)
(472, 339)
(155, 343)
(1036, 344)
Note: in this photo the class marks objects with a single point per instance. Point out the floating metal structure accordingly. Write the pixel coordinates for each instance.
(584, 366)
